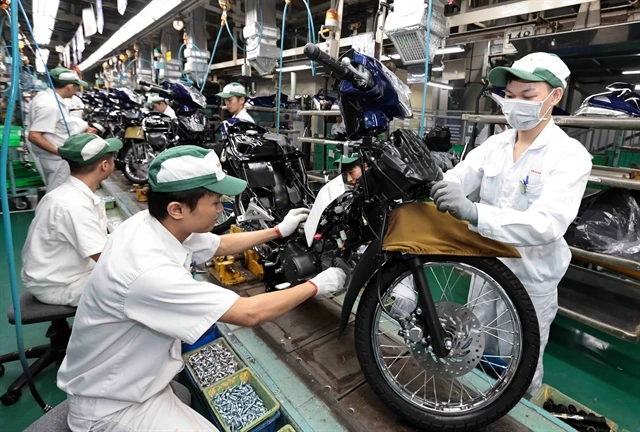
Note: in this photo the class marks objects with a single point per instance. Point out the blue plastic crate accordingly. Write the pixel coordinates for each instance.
(209, 336)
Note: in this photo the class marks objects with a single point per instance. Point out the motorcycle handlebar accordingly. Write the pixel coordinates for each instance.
(312, 52)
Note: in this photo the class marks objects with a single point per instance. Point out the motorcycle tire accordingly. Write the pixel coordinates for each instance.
(224, 226)
(129, 173)
(429, 418)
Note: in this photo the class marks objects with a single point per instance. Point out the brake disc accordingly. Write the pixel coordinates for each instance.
(465, 331)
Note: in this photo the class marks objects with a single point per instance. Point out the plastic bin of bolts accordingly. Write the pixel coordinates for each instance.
(242, 403)
(211, 363)
(212, 334)
(557, 403)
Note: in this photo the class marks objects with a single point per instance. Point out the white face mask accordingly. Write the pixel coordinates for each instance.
(524, 115)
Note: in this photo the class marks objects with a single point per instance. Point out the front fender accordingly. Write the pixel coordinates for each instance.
(359, 277)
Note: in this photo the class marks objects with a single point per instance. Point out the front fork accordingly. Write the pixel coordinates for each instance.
(427, 313)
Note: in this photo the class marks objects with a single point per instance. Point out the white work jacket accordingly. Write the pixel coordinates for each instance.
(535, 217)
(45, 117)
(70, 225)
(244, 115)
(140, 302)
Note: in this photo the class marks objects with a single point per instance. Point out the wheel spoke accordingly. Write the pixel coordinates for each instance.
(438, 282)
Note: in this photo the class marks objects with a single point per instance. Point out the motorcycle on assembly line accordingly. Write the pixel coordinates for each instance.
(161, 132)
(620, 100)
(275, 174)
(445, 334)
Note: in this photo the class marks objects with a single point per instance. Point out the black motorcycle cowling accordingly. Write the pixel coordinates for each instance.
(403, 166)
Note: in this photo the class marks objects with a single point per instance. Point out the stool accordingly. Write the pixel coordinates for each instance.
(56, 419)
(34, 311)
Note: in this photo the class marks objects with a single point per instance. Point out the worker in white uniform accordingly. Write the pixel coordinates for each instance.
(234, 96)
(76, 106)
(48, 121)
(160, 105)
(69, 230)
(531, 181)
(338, 128)
(142, 299)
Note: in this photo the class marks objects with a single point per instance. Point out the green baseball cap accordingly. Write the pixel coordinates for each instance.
(346, 160)
(233, 89)
(64, 75)
(86, 148)
(536, 67)
(189, 167)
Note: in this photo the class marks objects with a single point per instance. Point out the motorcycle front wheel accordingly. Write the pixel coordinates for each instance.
(492, 336)
(137, 159)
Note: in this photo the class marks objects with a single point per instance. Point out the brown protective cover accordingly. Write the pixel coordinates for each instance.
(419, 228)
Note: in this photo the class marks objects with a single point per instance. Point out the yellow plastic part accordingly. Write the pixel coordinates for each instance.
(134, 132)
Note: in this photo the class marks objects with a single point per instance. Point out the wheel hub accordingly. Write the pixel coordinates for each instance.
(463, 329)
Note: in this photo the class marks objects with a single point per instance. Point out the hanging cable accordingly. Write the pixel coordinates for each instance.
(46, 68)
(284, 20)
(6, 216)
(213, 52)
(426, 69)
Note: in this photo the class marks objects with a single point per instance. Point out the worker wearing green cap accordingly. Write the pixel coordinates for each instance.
(350, 167)
(234, 96)
(69, 230)
(142, 300)
(50, 124)
(530, 181)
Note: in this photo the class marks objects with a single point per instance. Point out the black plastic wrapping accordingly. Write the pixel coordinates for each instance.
(438, 139)
(611, 225)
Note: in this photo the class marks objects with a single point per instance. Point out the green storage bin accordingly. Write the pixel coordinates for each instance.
(193, 374)
(457, 148)
(548, 392)
(626, 159)
(331, 154)
(14, 135)
(318, 157)
(287, 428)
(243, 376)
(600, 159)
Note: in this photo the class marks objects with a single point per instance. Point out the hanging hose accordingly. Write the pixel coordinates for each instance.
(213, 53)
(46, 68)
(312, 33)
(426, 69)
(6, 217)
(226, 23)
(284, 20)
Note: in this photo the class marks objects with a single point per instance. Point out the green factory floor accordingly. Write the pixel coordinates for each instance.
(593, 368)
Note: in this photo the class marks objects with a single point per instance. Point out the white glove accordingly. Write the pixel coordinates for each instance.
(291, 221)
(329, 281)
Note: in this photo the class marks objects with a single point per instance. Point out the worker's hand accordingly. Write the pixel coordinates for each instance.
(291, 221)
(92, 130)
(449, 196)
(329, 281)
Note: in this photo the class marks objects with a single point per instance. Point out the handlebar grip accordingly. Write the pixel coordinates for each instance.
(147, 83)
(313, 52)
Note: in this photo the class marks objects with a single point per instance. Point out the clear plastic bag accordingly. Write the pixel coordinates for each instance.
(611, 225)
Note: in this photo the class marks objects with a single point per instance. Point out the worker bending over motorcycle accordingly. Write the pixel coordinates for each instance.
(530, 180)
(69, 230)
(234, 96)
(142, 299)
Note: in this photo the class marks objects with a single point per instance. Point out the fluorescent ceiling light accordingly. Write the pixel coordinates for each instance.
(450, 50)
(439, 85)
(44, 19)
(294, 68)
(638, 87)
(437, 69)
(42, 56)
(631, 72)
(154, 11)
